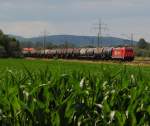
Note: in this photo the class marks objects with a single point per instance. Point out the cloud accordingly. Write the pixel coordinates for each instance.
(26, 29)
(30, 17)
(36, 28)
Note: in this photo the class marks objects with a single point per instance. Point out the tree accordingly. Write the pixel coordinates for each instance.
(11, 45)
(142, 44)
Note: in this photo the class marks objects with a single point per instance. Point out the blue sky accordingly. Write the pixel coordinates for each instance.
(30, 17)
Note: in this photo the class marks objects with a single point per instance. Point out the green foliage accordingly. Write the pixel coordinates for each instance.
(65, 93)
(142, 44)
(10, 45)
(142, 52)
(142, 48)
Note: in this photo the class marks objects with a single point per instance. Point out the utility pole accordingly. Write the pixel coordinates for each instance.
(44, 41)
(100, 27)
(132, 40)
(99, 33)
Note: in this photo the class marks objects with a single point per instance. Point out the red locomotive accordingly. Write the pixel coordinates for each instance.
(106, 53)
(123, 53)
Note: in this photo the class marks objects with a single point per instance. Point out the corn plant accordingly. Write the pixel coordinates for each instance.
(83, 94)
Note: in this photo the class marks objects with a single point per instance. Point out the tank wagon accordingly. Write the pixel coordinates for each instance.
(106, 53)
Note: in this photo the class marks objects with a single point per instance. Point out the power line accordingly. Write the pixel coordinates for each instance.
(99, 33)
(101, 27)
(132, 40)
(130, 37)
(44, 40)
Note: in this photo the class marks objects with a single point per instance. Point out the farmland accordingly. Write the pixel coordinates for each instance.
(55, 92)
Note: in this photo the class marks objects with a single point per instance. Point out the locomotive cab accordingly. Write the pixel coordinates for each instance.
(123, 53)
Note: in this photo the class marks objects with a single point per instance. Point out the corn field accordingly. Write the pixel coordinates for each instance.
(58, 93)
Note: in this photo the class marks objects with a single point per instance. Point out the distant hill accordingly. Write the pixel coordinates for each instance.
(21, 39)
(78, 41)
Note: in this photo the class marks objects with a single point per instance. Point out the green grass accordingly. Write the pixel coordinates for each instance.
(36, 92)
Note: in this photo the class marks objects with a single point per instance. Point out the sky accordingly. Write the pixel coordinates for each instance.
(30, 18)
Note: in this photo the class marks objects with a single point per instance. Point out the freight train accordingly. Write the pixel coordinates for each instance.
(106, 53)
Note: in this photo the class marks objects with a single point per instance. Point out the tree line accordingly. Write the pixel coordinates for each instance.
(142, 48)
(9, 46)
